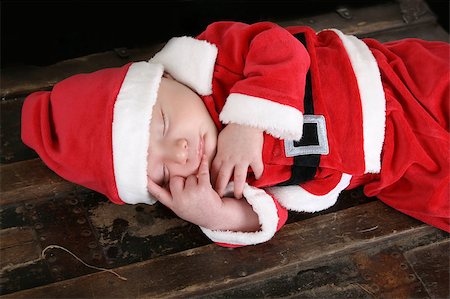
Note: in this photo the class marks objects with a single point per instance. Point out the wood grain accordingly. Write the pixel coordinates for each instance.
(209, 269)
(30, 180)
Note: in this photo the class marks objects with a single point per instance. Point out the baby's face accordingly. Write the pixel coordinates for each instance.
(181, 131)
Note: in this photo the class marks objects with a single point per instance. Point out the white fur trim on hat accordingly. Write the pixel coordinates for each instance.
(264, 206)
(131, 130)
(373, 101)
(295, 198)
(190, 61)
(278, 120)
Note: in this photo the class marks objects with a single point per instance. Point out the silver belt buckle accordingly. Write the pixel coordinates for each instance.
(316, 149)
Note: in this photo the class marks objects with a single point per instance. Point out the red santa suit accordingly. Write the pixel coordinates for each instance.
(380, 113)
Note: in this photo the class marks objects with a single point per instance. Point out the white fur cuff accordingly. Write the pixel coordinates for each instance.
(263, 205)
(278, 120)
(295, 198)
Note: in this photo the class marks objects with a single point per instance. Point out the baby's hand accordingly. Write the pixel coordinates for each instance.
(193, 198)
(238, 148)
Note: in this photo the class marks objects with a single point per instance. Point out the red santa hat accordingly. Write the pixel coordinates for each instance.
(93, 129)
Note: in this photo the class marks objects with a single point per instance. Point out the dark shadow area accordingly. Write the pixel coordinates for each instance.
(45, 32)
(441, 9)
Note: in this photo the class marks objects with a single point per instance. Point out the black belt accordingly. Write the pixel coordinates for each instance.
(313, 139)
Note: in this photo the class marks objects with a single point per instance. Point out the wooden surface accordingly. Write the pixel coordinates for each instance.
(29, 180)
(370, 239)
(359, 248)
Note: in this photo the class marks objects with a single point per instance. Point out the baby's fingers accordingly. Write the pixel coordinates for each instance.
(239, 177)
(176, 185)
(258, 169)
(223, 178)
(215, 168)
(161, 194)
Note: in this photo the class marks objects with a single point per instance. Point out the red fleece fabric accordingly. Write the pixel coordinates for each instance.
(414, 176)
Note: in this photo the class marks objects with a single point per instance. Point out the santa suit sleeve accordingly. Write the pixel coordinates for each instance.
(271, 215)
(272, 66)
(271, 206)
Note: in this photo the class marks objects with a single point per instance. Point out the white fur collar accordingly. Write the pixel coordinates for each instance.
(190, 61)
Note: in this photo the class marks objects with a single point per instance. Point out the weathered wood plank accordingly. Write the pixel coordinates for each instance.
(89, 225)
(431, 32)
(11, 146)
(30, 179)
(431, 265)
(379, 271)
(96, 230)
(15, 236)
(18, 247)
(209, 269)
(370, 20)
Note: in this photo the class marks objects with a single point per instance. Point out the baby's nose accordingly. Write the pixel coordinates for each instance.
(179, 151)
